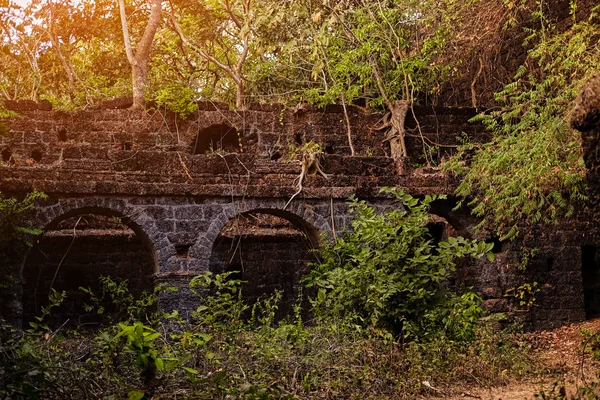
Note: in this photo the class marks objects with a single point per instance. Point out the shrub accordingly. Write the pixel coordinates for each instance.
(12, 213)
(389, 272)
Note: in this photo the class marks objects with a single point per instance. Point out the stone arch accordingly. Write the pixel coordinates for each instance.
(301, 216)
(271, 249)
(107, 243)
(134, 217)
(107, 212)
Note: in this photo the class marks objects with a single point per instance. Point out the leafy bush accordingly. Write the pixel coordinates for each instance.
(389, 272)
(12, 214)
(116, 303)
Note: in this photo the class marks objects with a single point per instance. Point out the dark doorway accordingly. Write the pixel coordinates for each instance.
(76, 252)
(590, 265)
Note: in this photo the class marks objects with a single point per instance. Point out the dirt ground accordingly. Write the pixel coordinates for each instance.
(560, 352)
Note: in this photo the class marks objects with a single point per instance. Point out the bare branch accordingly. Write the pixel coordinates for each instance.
(126, 38)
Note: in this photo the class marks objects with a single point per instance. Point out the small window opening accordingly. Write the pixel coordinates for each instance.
(276, 155)
(220, 137)
(182, 250)
(436, 230)
(62, 134)
(499, 245)
(37, 155)
(6, 155)
(549, 264)
(298, 138)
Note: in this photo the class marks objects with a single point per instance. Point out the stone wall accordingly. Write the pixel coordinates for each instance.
(125, 152)
(148, 171)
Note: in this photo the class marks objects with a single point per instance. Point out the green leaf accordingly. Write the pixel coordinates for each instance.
(321, 295)
(160, 365)
(135, 395)
(190, 371)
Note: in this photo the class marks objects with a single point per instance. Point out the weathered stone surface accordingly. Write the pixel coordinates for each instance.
(142, 169)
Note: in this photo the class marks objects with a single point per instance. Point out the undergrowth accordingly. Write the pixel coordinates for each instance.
(255, 358)
(399, 337)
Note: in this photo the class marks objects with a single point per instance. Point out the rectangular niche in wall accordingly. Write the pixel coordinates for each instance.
(590, 270)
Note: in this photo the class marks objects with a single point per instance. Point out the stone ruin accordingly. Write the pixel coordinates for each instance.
(153, 199)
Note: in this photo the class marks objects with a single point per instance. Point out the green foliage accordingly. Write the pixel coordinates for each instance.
(524, 295)
(121, 303)
(55, 299)
(397, 41)
(176, 98)
(22, 375)
(311, 148)
(222, 304)
(388, 272)
(532, 171)
(140, 340)
(4, 113)
(67, 52)
(260, 359)
(12, 215)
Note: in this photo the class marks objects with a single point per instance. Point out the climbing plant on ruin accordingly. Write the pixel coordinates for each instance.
(532, 171)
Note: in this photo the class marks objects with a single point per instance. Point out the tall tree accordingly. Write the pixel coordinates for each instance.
(233, 21)
(381, 50)
(138, 58)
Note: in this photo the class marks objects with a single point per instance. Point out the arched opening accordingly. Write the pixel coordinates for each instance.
(75, 251)
(271, 249)
(219, 137)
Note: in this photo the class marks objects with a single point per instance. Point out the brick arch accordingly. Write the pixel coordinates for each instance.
(269, 262)
(48, 218)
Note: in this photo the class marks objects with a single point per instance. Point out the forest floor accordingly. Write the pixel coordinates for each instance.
(559, 352)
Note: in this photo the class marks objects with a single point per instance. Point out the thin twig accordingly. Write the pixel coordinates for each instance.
(64, 256)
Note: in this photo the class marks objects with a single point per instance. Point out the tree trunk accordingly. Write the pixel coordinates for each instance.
(139, 60)
(139, 72)
(239, 95)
